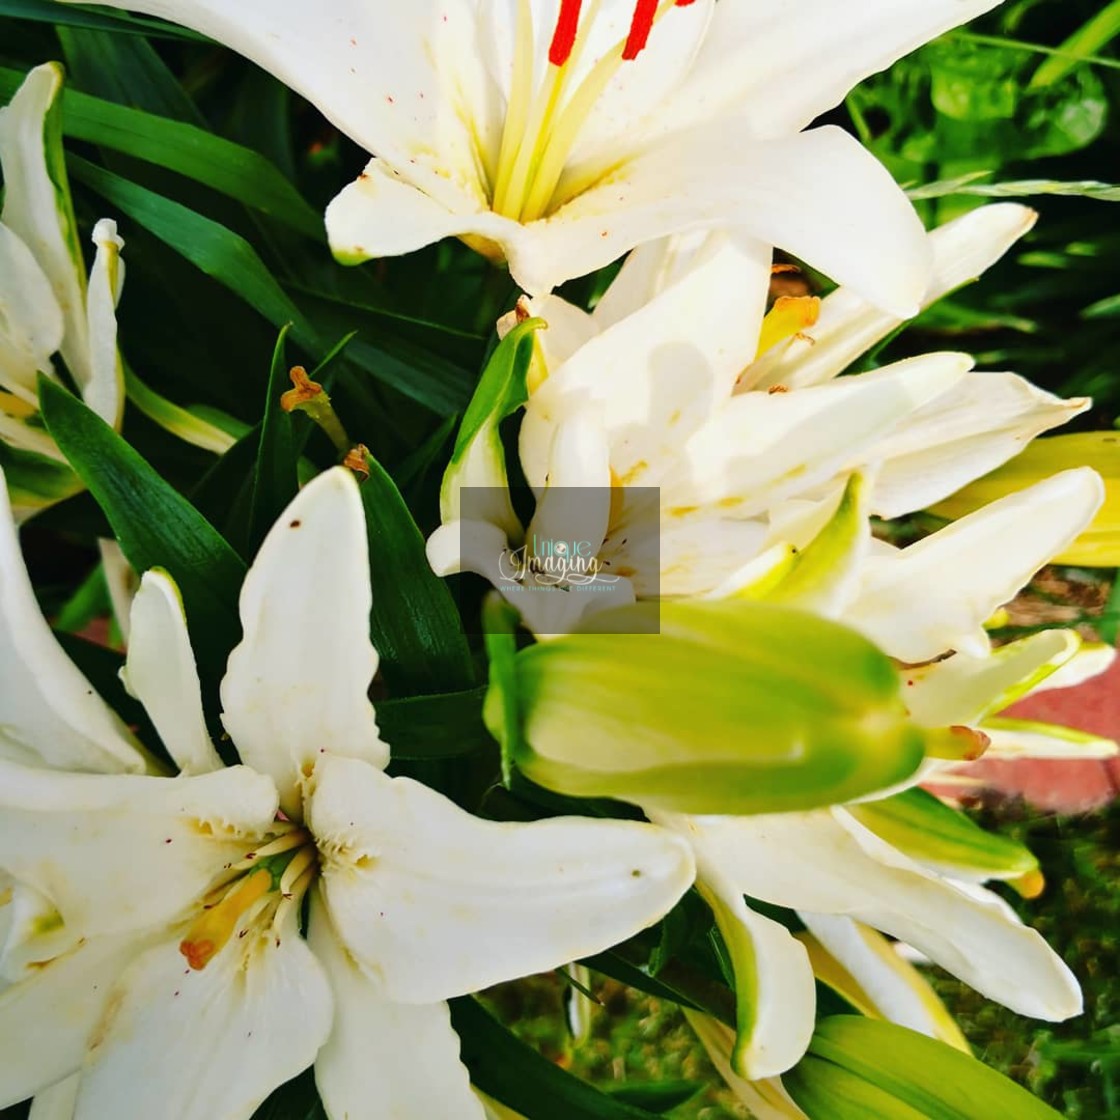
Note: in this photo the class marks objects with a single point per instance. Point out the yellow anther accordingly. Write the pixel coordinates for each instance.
(788, 317)
(214, 927)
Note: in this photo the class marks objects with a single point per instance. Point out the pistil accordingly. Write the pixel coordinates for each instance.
(541, 128)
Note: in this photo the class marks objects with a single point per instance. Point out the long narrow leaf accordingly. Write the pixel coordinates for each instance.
(155, 525)
(230, 168)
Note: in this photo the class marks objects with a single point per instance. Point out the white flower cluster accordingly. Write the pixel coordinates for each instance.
(178, 942)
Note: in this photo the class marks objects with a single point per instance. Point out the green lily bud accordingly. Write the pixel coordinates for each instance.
(734, 707)
(859, 1067)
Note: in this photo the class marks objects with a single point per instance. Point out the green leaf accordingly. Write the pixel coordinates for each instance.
(298, 1099)
(275, 477)
(67, 15)
(154, 525)
(734, 707)
(89, 599)
(216, 250)
(233, 262)
(1080, 46)
(1021, 188)
(125, 69)
(515, 1074)
(414, 622)
(657, 1096)
(478, 454)
(910, 1076)
(441, 725)
(233, 170)
(502, 710)
(931, 832)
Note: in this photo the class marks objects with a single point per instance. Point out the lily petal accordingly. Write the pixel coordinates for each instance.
(49, 713)
(32, 327)
(825, 862)
(751, 49)
(981, 424)
(160, 672)
(764, 447)
(47, 1019)
(963, 689)
(297, 684)
(396, 1059)
(187, 1045)
(384, 73)
(123, 852)
(849, 326)
(37, 205)
(654, 377)
(888, 987)
(854, 224)
(766, 1099)
(382, 214)
(57, 1102)
(970, 568)
(777, 999)
(436, 903)
(104, 391)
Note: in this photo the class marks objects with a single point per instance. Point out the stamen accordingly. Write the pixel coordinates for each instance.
(215, 926)
(310, 398)
(564, 37)
(292, 838)
(789, 316)
(640, 27)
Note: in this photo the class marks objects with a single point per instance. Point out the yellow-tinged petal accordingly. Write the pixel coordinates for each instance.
(766, 1099)
(865, 968)
(1098, 545)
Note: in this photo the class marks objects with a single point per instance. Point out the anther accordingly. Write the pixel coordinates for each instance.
(564, 37)
(640, 26)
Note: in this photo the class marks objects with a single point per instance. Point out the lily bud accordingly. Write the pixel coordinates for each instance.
(734, 707)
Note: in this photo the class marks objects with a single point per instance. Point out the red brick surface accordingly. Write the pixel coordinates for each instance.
(1067, 786)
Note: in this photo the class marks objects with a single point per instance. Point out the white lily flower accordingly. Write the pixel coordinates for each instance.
(829, 868)
(47, 306)
(558, 135)
(657, 389)
(169, 965)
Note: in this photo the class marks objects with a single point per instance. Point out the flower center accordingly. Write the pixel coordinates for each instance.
(259, 890)
(543, 123)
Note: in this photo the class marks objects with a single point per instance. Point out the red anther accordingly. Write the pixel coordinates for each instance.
(644, 14)
(564, 37)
